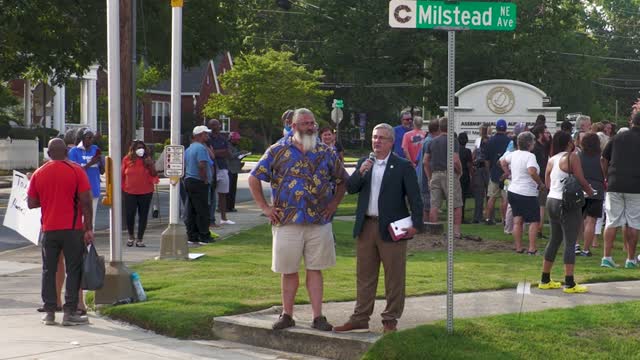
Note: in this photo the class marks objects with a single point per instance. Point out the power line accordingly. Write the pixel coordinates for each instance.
(593, 56)
(287, 40)
(620, 79)
(374, 85)
(616, 87)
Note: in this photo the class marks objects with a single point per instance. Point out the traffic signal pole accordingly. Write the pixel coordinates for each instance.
(173, 243)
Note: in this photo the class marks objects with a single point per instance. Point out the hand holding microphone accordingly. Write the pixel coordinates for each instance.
(367, 164)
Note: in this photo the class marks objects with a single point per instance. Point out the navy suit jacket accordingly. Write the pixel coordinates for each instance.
(399, 182)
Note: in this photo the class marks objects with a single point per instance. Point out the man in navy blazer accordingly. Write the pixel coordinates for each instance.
(385, 184)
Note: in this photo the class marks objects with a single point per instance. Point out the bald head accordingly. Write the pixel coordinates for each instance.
(57, 149)
(214, 125)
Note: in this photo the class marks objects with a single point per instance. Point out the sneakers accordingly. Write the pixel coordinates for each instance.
(586, 253)
(227, 222)
(49, 318)
(74, 319)
(608, 264)
(629, 264)
(578, 249)
(321, 323)
(283, 322)
(577, 289)
(351, 327)
(489, 222)
(550, 285)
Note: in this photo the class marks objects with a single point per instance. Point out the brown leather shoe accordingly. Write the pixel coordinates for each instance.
(283, 322)
(351, 327)
(389, 326)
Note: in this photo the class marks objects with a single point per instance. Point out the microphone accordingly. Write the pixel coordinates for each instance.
(372, 157)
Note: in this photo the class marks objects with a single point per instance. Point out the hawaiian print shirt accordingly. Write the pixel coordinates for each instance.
(301, 184)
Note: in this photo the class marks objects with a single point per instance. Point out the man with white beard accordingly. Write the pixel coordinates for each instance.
(303, 173)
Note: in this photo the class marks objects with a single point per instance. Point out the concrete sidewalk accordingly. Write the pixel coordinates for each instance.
(24, 337)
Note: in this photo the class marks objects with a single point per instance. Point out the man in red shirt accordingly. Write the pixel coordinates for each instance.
(412, 141)
(61, 189)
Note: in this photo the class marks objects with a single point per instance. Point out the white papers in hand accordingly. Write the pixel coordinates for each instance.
(398, 225)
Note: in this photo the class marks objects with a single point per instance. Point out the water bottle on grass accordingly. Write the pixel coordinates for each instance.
(137, 285)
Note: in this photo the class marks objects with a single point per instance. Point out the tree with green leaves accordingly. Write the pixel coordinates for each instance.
(260, 87)
(54, 38)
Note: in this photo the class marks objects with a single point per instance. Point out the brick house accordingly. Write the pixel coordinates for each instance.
(197, 84)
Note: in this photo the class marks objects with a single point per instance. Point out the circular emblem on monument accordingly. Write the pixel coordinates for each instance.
(500, 100)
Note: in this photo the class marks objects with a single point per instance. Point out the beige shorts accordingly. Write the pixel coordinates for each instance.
(222, 181)
(294, 241)
(438, 187)
(494, 190)
(621, 209)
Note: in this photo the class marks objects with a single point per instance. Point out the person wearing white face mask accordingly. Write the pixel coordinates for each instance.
(139, 177)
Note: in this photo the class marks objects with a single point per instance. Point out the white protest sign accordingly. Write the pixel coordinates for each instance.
(19, 217)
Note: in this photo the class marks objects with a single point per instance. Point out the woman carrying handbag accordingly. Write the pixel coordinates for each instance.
(563, 171)
(139, 177)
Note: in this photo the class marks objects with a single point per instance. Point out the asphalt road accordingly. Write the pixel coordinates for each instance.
(9, 239)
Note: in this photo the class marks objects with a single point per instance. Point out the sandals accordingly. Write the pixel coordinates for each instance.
(140, 243)
(130, 242)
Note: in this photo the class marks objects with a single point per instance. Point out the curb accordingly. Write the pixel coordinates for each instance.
(255, 329)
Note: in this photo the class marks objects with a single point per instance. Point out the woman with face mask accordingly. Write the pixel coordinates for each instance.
(139, 177)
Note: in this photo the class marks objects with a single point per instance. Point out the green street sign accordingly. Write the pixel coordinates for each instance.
(338, 103)
(443, 15)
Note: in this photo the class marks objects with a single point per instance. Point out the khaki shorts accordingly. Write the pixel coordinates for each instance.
(621, 209)
(494, 190)
(438, 186)
(294, 241)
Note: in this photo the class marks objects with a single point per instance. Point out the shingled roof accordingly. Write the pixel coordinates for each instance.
(191, 79)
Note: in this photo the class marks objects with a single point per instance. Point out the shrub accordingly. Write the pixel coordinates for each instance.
(158, 147)
(246, 144)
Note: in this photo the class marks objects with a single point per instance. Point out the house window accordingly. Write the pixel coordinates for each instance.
(226, 123)
(161, 115)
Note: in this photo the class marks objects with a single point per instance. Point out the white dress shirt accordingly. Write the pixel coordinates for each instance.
(377, 172)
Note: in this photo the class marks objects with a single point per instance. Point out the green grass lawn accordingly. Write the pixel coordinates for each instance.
(235, 277)
(585, 332)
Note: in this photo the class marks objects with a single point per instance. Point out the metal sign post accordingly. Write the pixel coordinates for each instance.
(451, 16)
(451, 104)
(173, 242)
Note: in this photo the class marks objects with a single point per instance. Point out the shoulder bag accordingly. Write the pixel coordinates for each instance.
(572, 195)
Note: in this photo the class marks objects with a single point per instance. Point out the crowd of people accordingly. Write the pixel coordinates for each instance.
(580, 179)
(528, 171)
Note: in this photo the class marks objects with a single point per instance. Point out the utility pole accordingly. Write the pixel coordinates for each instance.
(126, 70)
(117, 282)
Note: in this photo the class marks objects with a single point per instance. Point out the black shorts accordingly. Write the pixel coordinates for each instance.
(592, 208)
(525, 206)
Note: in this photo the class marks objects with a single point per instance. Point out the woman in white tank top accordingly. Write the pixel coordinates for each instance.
(564, 224)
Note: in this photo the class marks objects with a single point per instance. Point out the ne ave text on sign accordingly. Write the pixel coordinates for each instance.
(464, 15)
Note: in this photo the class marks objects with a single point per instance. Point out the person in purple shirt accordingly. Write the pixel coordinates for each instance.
(406, 125)
(303, 173)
